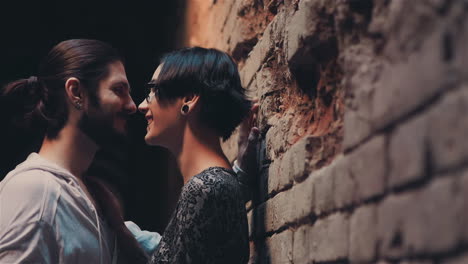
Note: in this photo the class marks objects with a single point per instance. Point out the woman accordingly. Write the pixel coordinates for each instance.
(50, 212)
(196, 98)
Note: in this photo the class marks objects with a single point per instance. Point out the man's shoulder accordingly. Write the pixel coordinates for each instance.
(34, 183)
(29, 195)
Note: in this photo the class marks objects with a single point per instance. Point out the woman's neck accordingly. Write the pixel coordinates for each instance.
(71, 150)
(198, 153)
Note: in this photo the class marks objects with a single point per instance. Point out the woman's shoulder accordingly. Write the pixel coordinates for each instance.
(215, 176)
(213, 181)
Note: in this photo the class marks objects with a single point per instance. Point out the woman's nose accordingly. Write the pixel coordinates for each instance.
(143, 107)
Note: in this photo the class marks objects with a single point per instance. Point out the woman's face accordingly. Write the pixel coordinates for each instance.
(165, 126)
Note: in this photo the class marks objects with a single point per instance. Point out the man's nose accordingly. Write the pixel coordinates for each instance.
(130, 107)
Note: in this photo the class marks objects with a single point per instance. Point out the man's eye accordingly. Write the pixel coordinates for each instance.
(119, 90)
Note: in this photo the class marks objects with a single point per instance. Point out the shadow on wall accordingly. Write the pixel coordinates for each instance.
(257, 222)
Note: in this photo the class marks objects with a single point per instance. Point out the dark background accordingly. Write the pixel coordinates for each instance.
(142, 31)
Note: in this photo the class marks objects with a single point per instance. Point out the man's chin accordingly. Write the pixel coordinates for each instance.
(108, 137)
(102, 133)
(120, 127)
(117, 132)
(121, 131)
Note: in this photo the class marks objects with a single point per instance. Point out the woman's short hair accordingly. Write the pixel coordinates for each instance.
(211, 74)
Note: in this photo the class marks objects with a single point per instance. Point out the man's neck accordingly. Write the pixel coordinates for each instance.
(71, 150)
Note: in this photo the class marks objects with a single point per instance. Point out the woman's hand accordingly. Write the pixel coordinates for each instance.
(247, 142)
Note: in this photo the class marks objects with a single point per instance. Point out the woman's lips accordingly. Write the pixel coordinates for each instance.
(150, 121)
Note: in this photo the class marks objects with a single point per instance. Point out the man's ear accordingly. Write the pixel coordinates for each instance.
(74, 91)
(189, 103)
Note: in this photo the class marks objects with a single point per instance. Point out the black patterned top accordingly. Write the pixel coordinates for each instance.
(209, 224)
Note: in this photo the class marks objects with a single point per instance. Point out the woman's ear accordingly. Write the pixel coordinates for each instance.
(189, 103)
(74, 92)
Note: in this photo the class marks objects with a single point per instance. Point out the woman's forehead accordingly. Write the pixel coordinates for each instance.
(156, 72)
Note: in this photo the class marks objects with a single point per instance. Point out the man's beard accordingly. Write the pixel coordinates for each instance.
(101, 130)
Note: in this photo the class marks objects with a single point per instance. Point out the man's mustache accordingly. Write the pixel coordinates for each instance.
(124, 115)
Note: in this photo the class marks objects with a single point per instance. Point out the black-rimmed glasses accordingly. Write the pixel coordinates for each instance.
(152, 89)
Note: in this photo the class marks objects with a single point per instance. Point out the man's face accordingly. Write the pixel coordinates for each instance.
(107, 121)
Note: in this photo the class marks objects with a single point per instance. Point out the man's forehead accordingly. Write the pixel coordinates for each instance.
(116, 75)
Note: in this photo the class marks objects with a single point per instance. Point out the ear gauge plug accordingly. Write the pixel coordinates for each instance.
(184, 109)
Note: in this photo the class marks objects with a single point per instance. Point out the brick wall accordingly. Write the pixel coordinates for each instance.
(363, 115)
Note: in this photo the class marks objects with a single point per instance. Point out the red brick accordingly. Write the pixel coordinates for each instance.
(363, 235)
(275, 177)
(344, 187)
(303, 199)
(368, 168)
(323, 190)
(290, 206)
(448, 126)
(417, 262)
(222, 17)
(326, 240)
(296, 163)
(302, 157)
(407, 85)
(303, 25)
(277, 135)
(404, 220)
(356, 128)
(463, 259)
(302, 247)
(258, 55)
(459, 37)
(407, 152)
(266, 81)
(268, 111)
(280, 247)
(439, 209)
(359, 60)
(464, 193)
(330, 238)
(279, 211)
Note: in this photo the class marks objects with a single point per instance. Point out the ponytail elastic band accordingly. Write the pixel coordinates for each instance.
(32, 80)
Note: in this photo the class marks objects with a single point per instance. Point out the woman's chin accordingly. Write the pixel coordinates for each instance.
(148, 140)
(151, 140)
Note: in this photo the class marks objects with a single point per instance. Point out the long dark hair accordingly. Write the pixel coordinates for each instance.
(39, 102)
(214, 76)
